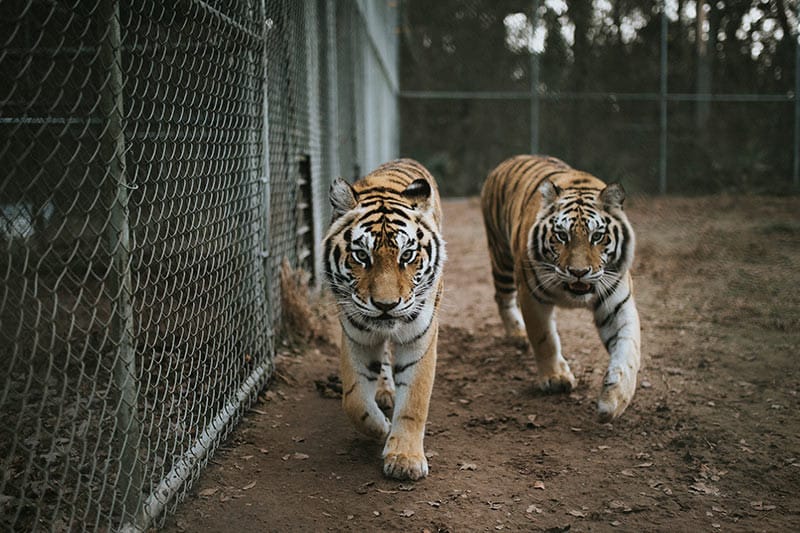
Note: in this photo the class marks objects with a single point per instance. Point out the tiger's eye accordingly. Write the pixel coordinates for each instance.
(361, 256)
(561, 235)
(407, 256)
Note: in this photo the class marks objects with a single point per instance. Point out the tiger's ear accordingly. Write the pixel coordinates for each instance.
(343, 197)
(420, 193)
(612, 197)
(549, 192)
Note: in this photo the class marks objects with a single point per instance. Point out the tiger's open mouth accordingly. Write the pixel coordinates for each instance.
(579, 288)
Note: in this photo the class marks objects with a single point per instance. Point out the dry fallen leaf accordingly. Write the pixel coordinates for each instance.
(578, 514)
(538, 485)
(759, 506)
(362, 489)
(407, 513)
(702, 488)
(300, 456)
(249, 485)
(533, 509)
(468, 466)
(205, 493)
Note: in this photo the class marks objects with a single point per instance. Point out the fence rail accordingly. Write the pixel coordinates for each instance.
(160, 161)
(685, 103)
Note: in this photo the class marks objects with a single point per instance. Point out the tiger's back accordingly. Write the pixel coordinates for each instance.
(559, 237)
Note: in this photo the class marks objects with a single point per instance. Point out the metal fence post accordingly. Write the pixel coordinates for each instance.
(662, 167)
(127, 429)
(796, 170)
(534, 81)
(266, 177)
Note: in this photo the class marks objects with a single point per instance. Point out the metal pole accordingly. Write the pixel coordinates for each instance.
(265, 199)
(127, 430)
(534, 96)
(796, 170)
(662, 167)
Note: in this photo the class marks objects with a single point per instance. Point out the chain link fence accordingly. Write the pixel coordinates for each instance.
(676, 96)
(159, 161)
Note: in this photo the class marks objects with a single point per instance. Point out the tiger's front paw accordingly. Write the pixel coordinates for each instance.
(560, 380)
(411, 466)
(619, 385)
(404, 457)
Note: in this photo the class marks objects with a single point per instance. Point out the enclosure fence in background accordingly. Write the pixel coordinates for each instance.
(689, 96)
(159, 161)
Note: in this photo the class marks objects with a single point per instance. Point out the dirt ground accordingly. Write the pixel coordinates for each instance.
(711, 441)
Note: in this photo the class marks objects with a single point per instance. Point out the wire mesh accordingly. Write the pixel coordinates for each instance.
(159, 162)
(668, 96)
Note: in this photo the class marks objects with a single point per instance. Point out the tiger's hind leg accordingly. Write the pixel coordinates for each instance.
(554, 372)
(505, 294)
(385, 393)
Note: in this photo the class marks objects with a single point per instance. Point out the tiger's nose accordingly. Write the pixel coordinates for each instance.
(385, 306)
(578, 272)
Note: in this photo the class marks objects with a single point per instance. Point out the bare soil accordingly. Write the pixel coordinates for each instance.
(711, 441)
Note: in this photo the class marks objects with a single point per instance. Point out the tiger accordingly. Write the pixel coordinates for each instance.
(384, 254)
(559, 237)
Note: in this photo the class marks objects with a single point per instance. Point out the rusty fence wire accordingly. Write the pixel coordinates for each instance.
(158, 160)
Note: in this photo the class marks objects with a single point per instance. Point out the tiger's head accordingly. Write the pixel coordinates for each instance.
(383, 253)
(582, 243)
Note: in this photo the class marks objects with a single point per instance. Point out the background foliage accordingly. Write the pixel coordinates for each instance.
(599, 80)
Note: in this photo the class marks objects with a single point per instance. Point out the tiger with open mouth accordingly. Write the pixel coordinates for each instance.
(559, 237)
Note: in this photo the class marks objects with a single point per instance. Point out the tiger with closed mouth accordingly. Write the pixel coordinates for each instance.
(383, 261)
(559, 237)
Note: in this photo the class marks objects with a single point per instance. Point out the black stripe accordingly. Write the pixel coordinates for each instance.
(614, 337)
(374, 367)
(398, 369)
(360, 327)
(505, 290)
(613, 313)
(611, 339)
(423, 332)
(625, 237)
(368, 377)
(365, 416)
(602, 299)
(499, 277)
(350, 390)
(531, 290)
(537, 252)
